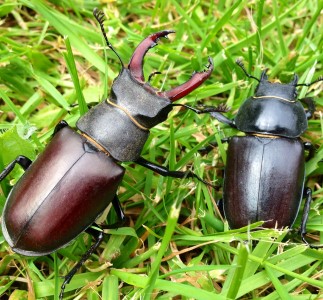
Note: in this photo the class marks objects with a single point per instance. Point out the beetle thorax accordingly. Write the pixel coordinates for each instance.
(139, 100)
(273, 110)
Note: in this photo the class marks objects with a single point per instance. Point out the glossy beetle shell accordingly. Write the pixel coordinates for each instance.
(264, 179)
(272, 116)
(60, 195)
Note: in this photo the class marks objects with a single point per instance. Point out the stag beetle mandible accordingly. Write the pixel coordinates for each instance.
(77, 176)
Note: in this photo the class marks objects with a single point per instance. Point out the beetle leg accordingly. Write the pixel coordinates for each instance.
(311, 106)
(205, 109)
(308, 195)
(194, 82)
(211, 146)
(136, 61)
(21, 160)
(120, 214)
(163, 171)
(118, 209)
(214, 111)
(98, 235)
(311, 150)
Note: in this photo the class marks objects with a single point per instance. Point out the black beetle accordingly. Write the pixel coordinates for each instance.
(265, 169)
(76, 177)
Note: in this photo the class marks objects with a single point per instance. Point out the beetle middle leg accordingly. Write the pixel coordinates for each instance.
(21, 160)
(120, 215)
(166, 172)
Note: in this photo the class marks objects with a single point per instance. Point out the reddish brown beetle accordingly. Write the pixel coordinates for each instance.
(77, 176)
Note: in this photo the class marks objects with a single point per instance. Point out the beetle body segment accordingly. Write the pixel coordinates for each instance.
(264, 180)
(131, 113)
(62, 193)
(271, 115)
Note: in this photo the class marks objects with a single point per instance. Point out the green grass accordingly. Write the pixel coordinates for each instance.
(174, 243)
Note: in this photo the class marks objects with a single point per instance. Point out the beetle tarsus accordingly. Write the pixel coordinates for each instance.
(205, 109)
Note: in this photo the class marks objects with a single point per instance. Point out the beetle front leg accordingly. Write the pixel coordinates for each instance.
(214, 111)
(311, 106)
(21, 160)
(163, 171)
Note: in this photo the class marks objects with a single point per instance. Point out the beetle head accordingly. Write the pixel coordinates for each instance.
(266, 88)
(136, 64)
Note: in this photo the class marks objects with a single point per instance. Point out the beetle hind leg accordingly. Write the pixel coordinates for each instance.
(308, 195)
(98, 235)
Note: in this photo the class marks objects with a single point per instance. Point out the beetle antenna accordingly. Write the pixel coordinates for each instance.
(241, 65)
(309, 84)
(99, 15)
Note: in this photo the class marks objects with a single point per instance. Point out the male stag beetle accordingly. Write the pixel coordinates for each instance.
(265, 170)
(76, 177)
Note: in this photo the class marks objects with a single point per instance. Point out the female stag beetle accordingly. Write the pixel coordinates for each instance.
(76, 177)
(265, 169)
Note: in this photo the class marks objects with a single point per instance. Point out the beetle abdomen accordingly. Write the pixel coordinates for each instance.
(60, 195)
(264, 179)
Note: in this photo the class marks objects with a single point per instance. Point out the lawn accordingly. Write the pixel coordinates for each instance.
(174, 244)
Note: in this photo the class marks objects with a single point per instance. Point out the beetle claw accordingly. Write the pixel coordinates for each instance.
(195, 81)
(136, 61)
